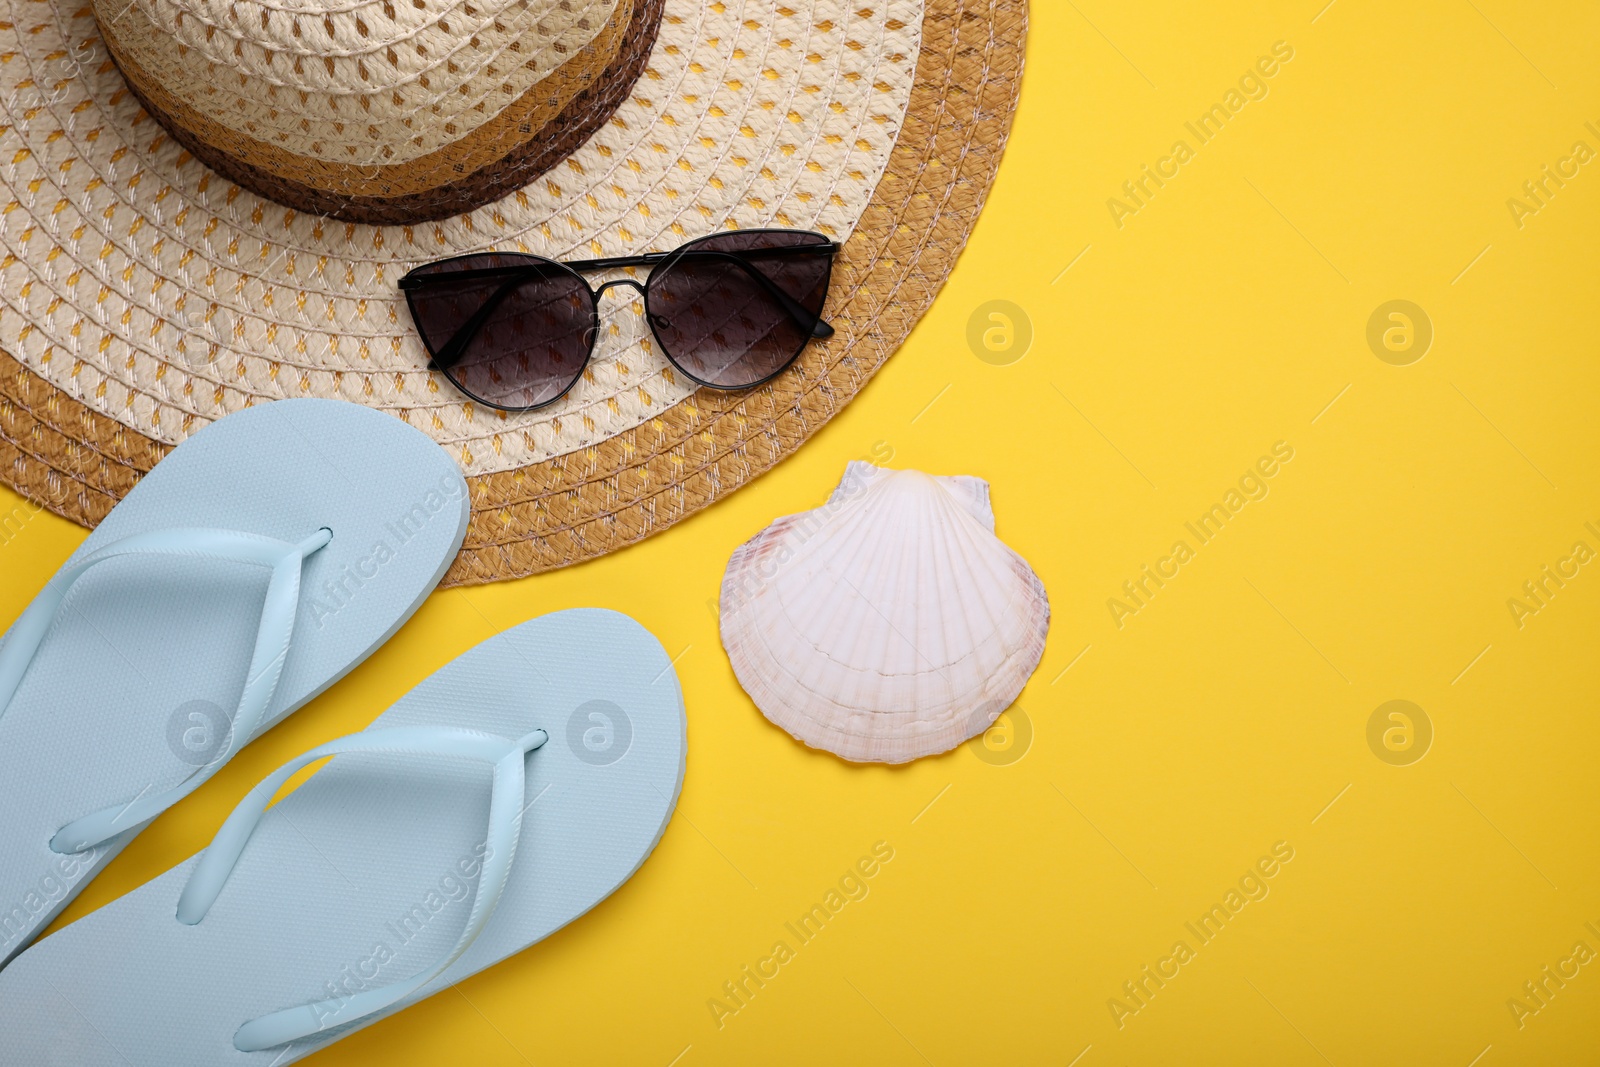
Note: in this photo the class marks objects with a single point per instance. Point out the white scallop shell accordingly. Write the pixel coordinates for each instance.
(888, 624)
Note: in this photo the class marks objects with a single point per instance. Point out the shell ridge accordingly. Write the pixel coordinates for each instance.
(890, 623)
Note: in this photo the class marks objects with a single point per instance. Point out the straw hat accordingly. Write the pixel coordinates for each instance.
(207, 204)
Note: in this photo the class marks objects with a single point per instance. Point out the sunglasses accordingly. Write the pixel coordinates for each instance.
(514, 331)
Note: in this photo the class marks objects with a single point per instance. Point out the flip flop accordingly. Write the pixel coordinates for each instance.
(258, 562)
(506, 795)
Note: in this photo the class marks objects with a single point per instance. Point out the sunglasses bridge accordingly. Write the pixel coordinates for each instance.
(601, 291)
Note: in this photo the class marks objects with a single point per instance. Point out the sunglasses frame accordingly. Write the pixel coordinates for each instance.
(814, 326)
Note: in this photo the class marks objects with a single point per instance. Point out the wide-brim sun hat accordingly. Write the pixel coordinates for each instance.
(207, 205)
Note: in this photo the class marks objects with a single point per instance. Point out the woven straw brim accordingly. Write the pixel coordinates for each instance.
(577, 506)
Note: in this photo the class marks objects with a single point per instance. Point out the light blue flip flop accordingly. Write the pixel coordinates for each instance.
(502, 798)
(258, 562)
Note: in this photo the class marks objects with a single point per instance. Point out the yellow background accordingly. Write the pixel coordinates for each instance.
(1228, 714)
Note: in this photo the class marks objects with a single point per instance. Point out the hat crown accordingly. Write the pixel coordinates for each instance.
(351, 82)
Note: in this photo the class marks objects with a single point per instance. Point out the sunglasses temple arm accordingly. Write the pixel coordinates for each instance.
(650, 259)
(463, 336)
(813, 324)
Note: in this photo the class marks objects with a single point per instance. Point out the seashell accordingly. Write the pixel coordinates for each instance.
(888, 624)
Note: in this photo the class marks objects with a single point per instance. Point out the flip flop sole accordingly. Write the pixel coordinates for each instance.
(135, 685)
(365, 873)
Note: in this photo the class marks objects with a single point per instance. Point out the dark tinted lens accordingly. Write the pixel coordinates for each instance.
(512, 340)
(714, 310)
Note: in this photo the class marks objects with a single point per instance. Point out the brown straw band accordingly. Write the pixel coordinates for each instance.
(484, 145)
(541, 129)
(79, 463)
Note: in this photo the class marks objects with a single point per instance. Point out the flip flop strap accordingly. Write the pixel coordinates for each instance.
(505, 826)
(266, 663)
